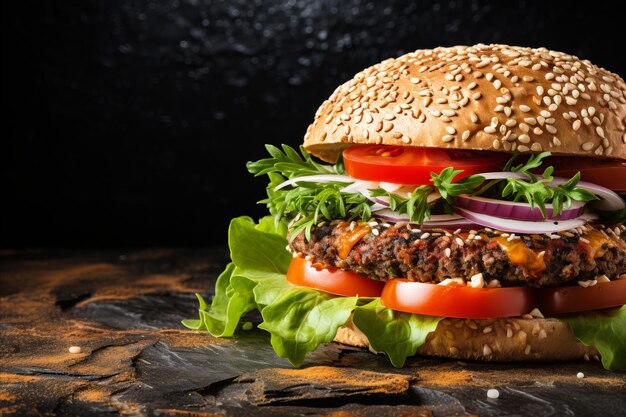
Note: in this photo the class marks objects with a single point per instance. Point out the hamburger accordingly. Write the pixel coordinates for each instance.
(464, 204)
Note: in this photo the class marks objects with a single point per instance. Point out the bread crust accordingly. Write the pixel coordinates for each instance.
(499, 340)
(482, 97)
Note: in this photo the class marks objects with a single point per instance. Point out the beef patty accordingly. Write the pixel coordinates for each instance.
(383, 251)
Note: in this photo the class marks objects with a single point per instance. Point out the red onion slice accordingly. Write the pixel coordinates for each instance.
(525, 227)
(447, 221)
(515, 210)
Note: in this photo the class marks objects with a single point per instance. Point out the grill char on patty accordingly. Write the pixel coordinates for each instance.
(399, 252)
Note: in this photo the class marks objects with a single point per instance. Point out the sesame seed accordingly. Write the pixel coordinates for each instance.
(524, 108)
(459, 241)
(466, 134)
(74, 349)
(497, 84)
(587, 146)
(450, 130)
(493, 393)
(600, 131)
(530, 120)
(527, 350)
(487, 350)
(523, 138)
(447, 251)
(448, 138)
(580, 375)
(487, 329)
(477, 281)
(375, 232)
(425, 235)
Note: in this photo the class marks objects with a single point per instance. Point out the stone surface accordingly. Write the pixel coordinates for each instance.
(123, 309)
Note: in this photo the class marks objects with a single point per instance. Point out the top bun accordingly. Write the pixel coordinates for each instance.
(485, 97)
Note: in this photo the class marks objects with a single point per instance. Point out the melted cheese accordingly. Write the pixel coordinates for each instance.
(596, 240)
(348, 238)
(521, 255)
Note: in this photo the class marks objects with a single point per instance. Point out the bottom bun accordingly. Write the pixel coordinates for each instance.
(503, 340)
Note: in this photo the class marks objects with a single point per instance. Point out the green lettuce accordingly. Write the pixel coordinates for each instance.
(606, 330)
(395, 333)
(298, 319)
(233, 298)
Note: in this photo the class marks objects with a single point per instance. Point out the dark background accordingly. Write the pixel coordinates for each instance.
(129, 122)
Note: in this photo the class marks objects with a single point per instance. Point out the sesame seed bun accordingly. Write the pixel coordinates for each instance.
(484, 97)
(500, 340)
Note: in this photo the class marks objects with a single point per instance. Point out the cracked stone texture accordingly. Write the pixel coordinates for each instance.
(123, 309)
(136, 112)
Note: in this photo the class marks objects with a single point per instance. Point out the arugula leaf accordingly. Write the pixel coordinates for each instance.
(604, 330)
(395, 333)
(288, 163)
(416, 206)
(533, 162)
(339, 166)
(301, 319)
(447, 189)
(539, 194)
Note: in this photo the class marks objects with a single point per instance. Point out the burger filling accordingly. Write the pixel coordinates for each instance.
(393, 240)
(504, 259)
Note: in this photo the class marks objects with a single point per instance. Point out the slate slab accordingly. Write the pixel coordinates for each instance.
(123, 309)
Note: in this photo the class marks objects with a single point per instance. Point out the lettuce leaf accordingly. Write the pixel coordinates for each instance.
(606, 330)
(395, 333)
(298, 319)
(257, 254)
(233, 298)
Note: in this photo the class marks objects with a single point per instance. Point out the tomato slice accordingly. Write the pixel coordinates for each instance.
(412, 165)
(332, 280)
(457, 301)
(572, 299)
(607, 173)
